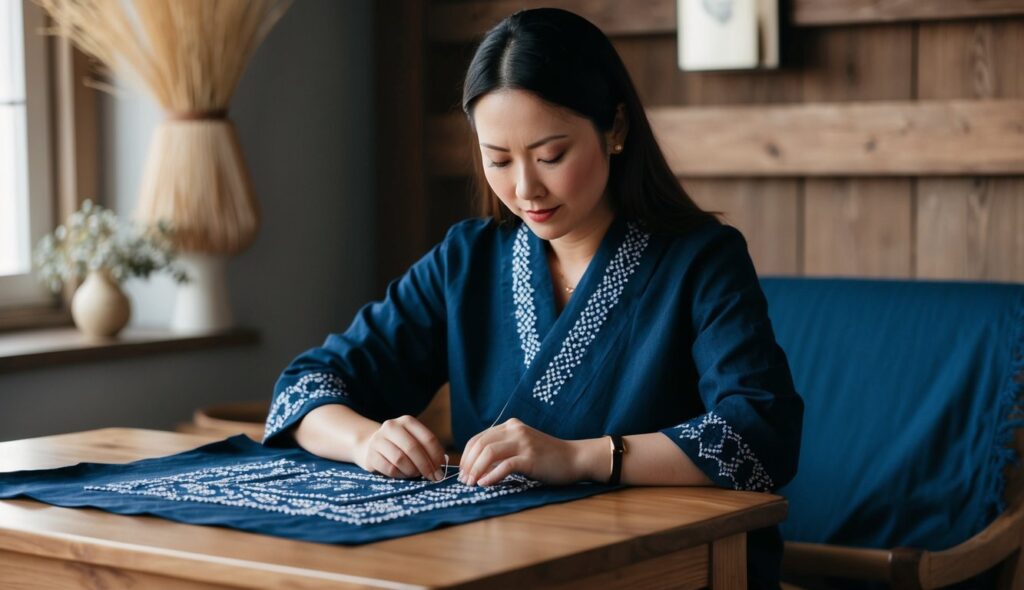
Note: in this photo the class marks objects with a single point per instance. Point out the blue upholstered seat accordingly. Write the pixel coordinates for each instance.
(912, 392)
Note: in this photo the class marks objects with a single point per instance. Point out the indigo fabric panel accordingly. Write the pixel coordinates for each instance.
(290, 493)
(910, 391)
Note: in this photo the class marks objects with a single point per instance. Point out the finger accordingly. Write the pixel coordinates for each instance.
(468, 452)
(398, 458)
(500, 471)
(412, 448)
(491, 453)
(379, 464)
(512, 427)
(428, 440)
(475, 446)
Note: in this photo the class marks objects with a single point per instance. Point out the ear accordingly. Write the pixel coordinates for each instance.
(616, 138)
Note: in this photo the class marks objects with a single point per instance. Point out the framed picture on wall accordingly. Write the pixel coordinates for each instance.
(727, 34)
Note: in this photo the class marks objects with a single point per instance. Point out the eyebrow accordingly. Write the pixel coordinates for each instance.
(537, 143)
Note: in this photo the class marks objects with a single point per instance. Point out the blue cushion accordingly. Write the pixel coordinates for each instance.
(912, 391)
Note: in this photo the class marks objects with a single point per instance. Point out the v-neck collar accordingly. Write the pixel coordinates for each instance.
(544, 285)
(555, 346)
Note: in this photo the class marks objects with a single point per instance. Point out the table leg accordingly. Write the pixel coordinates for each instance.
(729, 563)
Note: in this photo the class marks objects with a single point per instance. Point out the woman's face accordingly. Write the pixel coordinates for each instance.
(545, 163)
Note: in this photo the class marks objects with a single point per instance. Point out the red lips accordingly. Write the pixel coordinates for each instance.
(541, 215)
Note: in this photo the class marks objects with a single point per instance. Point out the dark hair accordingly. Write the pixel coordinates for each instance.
(567, 61)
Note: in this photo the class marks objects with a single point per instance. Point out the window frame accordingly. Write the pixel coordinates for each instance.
(67, 112)
(22, 290)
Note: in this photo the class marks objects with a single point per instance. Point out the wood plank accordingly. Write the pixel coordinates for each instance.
(830, 12)
(865, 63)
(729, 563)
(682, 570)
(651, 62)
(454, 22)
(971, 60)
(850, 65)
(767, 213)
(857, 227)
(820, 560)
(46, 348)
(468, 21)
(857, 139)
(21, 571)
(547, 545)
(970, 229)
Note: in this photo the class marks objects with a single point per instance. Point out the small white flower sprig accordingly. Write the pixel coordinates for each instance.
(94, 239)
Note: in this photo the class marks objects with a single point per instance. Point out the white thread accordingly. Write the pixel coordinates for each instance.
(299, 489)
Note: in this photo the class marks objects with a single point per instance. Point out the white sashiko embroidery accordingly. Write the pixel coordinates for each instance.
(288, 487)
(309, 387)
(588, 324)
(522, 296)
(720, 443)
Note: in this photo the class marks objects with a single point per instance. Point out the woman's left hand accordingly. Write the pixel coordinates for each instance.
(514, 447)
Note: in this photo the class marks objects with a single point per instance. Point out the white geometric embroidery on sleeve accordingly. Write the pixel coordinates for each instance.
(309, 387)
(712, 433)
(522, 296)
(588, 324)
(288, 487)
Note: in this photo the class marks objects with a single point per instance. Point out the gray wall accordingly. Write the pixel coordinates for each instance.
(304, 113)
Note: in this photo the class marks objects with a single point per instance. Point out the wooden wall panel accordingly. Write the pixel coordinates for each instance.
(857, 227)
(979, 59)
(453, 22)
(767, 212)
(651, 62)
(400, 175)
(876, 138)
(825, 12)
(857, 63)
(893, 57)
(467, 21)
(970, 228)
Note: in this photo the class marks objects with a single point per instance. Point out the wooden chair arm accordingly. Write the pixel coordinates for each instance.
(998, 541)
(816, 560)
(913, 568)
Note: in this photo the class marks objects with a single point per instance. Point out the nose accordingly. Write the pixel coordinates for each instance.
(528, 186)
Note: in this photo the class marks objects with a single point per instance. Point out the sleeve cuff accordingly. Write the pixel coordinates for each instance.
(720, 452)
(294, 401)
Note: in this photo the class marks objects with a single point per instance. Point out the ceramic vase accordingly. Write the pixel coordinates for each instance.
(99, 307)
(202, 304)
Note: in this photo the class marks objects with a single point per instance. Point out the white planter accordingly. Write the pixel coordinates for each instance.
(99, 307)
(202, 304)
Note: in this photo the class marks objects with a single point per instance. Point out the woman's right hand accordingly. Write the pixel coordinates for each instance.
(402, 447)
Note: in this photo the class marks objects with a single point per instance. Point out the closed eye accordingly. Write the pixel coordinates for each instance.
(554, 160)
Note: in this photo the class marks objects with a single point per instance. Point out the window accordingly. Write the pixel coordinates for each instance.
(26, 195)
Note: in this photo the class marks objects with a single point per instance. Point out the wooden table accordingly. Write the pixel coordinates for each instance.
(633, 538)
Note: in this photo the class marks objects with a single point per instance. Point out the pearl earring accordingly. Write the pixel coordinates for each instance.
(618, 148)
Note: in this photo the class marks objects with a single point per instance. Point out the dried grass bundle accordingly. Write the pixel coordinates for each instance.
(190, 55)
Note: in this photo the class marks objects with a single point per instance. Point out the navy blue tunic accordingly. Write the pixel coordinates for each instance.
(664, 333)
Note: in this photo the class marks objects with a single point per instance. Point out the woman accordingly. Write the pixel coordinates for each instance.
(596, 325)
